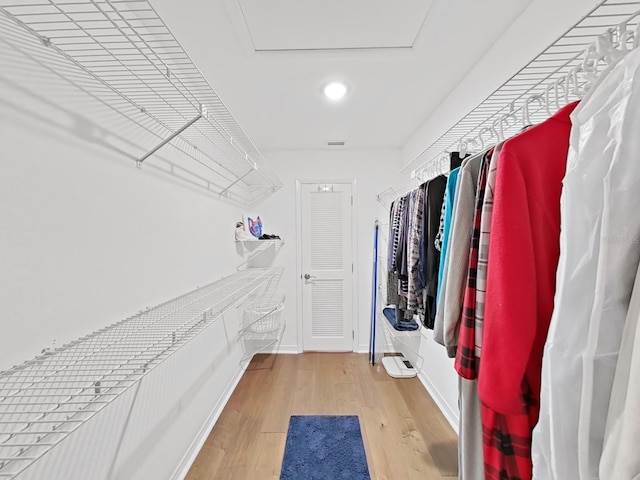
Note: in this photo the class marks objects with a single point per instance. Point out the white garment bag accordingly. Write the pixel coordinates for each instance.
(620, 459)
(596, 270)
(617, 267)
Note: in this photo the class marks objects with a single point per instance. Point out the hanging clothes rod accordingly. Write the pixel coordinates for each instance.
(428, 172)
(560, 74)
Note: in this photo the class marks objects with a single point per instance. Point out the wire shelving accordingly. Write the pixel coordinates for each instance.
(44, 400)
(537, 89)
(135, 61)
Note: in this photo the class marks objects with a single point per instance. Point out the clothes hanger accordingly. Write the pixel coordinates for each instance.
(492, 134)
(624, 38)
(526, 116)
(495, 129)
(463, 148)
(504, 119)
(574, 79)
(474, 145)
(615, 44)
(559, 84)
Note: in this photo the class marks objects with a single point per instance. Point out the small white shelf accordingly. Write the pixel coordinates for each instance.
(408, 342)
(263, 325)
(255, 343)
(259, 253)
(397, 368)
(399, 333)
(261, 337)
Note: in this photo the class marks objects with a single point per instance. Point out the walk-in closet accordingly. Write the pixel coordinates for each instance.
(295, 240)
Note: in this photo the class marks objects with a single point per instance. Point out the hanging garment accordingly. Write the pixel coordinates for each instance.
(523, 258)
(470, 456)
(483, 248)
(465, 363)
(429, 255)
(438, 241)
(402, 253)
(600, 253)
(617, 263)
(438, 327)
(470, 410)
(445, 221)
(455, 275)
(620, 459)
(415, 235)
(395, 217)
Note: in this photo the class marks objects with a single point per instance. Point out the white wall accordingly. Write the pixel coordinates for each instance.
(372, 170)
(88, 239)
(439, 377)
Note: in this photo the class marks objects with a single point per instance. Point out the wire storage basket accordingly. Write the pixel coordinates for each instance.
(264, 315)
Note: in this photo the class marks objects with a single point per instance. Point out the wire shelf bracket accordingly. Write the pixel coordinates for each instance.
(172, 136)
(239, 179)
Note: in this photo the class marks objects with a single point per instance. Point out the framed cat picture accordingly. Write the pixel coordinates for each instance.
(253, 224)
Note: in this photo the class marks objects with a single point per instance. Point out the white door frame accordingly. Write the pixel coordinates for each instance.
(354, 255)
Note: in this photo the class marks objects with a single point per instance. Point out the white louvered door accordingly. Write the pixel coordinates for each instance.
(327, 268)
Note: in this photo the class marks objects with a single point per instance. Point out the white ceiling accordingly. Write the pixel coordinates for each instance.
(333, 24)
(276, 95)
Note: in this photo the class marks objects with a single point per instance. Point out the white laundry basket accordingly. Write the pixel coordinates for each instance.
(264, 315)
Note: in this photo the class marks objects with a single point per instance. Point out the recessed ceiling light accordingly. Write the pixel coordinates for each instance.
(335, 90)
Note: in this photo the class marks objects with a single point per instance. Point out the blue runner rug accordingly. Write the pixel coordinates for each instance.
(324, 447)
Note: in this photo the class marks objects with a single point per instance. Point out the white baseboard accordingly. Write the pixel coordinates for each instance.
(386, 348)
(449, 413)
(192, 452)
(288, 349)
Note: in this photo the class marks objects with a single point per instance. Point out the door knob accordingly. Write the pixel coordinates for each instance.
(308, 277)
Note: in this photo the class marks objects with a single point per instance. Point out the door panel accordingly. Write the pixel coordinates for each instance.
(327, 262)
(327, 309)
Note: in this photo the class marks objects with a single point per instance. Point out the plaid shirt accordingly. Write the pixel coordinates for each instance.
(483, 249)
(507, 440)
(466, 364)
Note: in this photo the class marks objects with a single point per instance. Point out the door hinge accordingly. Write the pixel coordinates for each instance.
(353, 334)
(352, 270)
(352, 200)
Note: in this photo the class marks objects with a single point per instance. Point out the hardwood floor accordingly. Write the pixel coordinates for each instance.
(404, 433)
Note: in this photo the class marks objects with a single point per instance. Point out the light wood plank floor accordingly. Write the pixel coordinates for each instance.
(405, 435)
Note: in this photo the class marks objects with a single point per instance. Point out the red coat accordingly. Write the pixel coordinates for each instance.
(521, 277)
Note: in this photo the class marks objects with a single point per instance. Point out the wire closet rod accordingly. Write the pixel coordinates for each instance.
(563, 72)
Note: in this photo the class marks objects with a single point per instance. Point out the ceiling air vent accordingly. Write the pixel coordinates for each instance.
(335, 143)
